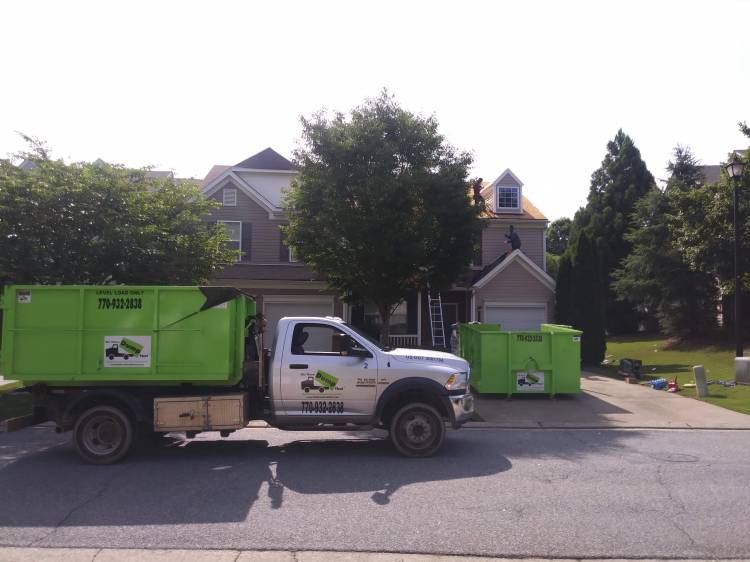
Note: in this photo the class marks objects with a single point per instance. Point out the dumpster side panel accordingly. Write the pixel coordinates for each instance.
(121, 334)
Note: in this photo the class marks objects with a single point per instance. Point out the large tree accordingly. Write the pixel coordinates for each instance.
(381, 205)
(655, 274)
(97, 223)
(621, 180)
(704, 231)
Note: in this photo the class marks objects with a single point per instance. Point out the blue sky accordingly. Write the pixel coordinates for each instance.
(538, 87)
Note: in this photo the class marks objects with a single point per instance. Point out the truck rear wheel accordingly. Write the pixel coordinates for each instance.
(103, 435)
(417, 430)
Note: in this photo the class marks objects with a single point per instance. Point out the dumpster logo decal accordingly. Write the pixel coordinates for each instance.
(326, 379)
(23, 297)
(530, 381)
(127, 351)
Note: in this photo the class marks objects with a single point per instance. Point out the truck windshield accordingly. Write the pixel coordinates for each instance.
(369, 338)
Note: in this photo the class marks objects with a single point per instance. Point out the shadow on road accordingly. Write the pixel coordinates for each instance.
(205, 481)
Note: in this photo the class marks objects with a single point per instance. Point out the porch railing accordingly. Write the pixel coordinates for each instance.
(403, 340)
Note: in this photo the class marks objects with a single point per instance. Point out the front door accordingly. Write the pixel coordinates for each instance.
(321, 380)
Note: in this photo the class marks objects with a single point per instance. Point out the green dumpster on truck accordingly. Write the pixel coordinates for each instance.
(83, 334)
(545, 362)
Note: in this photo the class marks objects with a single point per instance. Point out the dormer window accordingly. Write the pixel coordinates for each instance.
(508, 198)
(229, 197)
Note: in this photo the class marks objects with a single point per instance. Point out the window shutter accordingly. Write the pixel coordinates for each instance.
(283, 248)
(247, 242)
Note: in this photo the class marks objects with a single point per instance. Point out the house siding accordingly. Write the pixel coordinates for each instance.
(266, 236)
(532, 243)
(515, 285)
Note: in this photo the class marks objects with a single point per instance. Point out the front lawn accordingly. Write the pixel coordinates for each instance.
(661, 360)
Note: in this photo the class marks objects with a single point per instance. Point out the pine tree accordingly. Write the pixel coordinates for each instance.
(621, 180)
(587, 304)
(563, 292)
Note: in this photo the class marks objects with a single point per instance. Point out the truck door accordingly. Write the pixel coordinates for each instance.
(323, 376)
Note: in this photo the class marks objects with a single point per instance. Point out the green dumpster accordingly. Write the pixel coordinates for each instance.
(94, 334)
(545, 362)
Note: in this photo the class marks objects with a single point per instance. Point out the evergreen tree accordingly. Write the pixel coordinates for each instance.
(621, 180)
(587, 305)
(655, 275)
(563, 291)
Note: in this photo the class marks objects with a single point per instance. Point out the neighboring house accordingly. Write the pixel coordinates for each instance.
(507, 287)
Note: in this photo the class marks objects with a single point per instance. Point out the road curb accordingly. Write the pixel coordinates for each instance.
(28, 554)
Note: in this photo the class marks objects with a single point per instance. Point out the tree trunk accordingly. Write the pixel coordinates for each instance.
(385, 324)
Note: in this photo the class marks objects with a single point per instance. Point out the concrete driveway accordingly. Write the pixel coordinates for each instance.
(607, 403)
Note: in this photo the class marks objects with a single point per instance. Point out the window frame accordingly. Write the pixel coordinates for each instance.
(517, 191)
(239, 241)
(302, 325)
(224, 193)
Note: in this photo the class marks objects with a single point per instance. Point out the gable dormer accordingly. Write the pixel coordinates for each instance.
(507, 193)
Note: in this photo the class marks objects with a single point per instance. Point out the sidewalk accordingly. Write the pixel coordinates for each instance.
(605, 403)
(9, 554)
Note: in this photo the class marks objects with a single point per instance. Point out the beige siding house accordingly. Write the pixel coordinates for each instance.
(507, 287)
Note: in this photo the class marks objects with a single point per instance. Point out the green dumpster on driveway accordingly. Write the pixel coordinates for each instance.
(544, 362)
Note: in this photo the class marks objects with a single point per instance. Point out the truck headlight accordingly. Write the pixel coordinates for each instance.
(457, 381)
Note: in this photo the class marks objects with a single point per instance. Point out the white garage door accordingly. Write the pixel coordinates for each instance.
(516, 318)
(274, 311)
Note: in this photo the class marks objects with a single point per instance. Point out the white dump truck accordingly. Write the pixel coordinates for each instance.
(132, 360)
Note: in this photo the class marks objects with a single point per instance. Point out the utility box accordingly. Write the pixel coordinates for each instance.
(742, 370)
(115, 334)
(502, 362)
(200, 413)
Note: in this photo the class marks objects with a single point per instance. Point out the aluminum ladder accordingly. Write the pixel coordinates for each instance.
(435, 306)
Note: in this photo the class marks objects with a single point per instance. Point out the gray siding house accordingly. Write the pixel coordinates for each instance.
(503, 286)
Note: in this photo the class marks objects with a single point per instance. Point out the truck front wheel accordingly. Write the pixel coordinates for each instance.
(417, 430)
(103, 435)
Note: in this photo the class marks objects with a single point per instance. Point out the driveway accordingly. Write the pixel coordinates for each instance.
(607, 403)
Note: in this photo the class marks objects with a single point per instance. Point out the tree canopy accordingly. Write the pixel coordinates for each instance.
(381, 204)
(655, 274)
(558, 234)
(620, 181)
(99, 223)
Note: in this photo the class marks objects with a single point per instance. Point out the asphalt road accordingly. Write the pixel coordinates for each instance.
(561, 493)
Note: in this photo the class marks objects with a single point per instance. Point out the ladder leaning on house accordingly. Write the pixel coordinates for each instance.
(435, 306)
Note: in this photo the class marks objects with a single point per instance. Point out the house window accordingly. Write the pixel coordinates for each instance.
(508, 197)
(399, 321)
(234, 231)
(229, 197)
(292, 255)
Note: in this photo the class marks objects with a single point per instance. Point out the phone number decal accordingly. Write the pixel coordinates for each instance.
(322, 407)
(121, 304)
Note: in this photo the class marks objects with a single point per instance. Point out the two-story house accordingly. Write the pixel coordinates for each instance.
(508, 287)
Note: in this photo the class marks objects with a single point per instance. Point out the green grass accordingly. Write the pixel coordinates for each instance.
(665, 359)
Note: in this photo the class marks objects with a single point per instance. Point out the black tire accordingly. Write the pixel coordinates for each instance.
(321, 390)
(417, 430)
(307, 390)
(126, 357)
(111, 357)
(103, 435)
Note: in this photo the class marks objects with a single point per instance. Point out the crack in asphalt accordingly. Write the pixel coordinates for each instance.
(70, 513)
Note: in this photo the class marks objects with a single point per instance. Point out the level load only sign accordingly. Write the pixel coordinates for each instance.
(127, 351)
